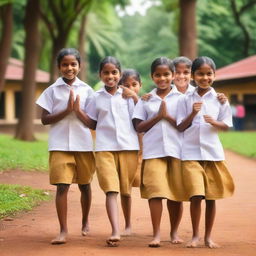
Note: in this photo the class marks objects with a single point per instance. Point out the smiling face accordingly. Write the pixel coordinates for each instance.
(69, 68)
(133, 84)
(110, 75)
(182, 76)
(204, 77)
(162, 77)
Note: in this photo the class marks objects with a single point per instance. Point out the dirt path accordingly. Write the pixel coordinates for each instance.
(30, 233)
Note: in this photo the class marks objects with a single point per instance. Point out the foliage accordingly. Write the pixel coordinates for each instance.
(14, 198)
(240, 142)
(23, 155)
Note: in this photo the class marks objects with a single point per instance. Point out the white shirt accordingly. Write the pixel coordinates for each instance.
(201, 141)
(162, 139)
(114, 130)
(190, 89)
(69, 134)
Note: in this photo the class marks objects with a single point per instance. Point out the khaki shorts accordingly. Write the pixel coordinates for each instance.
(162, 178)
(116, 170)
(210, 179)
(68, 167)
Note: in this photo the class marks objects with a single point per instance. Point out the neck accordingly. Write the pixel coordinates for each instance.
(163, 92)
(69, 81)
(111, 90)
(202, 91)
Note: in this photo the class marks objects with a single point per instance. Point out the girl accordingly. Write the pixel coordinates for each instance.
(161, 176)
(71, 158)
(200, 116)
(131, 84)
(116, 144)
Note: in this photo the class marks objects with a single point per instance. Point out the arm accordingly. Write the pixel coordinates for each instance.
(144, 126)
(188, 121)
(82, 116)
(47, 118)
(217, 124)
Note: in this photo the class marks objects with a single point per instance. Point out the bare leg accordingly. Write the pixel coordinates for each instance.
(86, 199)
(112, 211)
(156, 208)
(195, 212)
(175, 210)
(126, 202)
(209, 220)
(61, 207)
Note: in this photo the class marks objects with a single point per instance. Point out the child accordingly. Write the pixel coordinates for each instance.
(116, 143)
(131, 84)
(200, 115)
(71, 158)
(161, 175)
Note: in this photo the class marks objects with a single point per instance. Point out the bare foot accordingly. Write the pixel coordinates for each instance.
(154, 243)
(60, 239)
(209, 243)
(113, 241)
(85, 230)
(127, 232)
(193, 243)
(175, 239)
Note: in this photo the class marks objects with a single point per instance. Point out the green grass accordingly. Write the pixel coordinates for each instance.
(243, 143)
(16, 198)
(23, 155)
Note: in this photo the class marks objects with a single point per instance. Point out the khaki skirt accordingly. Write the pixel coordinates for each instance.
(161, 178)
(210, 179)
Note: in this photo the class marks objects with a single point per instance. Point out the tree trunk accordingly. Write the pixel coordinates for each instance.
(6, 40)
(82, 47)
(187, 29)
(25, 127)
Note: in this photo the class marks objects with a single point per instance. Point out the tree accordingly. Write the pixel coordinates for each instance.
(25, 127)
(238, 12)
(187, 28)
(6, 39)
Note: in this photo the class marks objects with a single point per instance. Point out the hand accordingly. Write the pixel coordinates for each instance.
(127, 93)
(77, 104)
(222, 98)
(208, 119)
(70, 101)
(197, 107)
(162, 112)
(146, 96)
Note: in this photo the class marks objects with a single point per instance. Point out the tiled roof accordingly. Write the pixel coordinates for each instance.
(240, 69)
(15, 72)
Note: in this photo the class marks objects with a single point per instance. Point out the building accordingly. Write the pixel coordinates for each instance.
(10, 100)
(238, 82)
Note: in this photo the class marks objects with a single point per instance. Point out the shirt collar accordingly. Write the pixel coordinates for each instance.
(174, 90)
(60, 82)
(103, 90)
(210, 92)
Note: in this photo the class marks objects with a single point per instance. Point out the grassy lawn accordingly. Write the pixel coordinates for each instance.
(243, 143)
(23, 155)
(16, 198)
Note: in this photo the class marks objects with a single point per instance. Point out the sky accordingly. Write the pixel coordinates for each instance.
(139, 6)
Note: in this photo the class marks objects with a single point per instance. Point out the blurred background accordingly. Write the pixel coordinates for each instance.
(135, 31)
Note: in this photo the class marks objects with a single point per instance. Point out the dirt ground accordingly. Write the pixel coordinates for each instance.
(30, 233)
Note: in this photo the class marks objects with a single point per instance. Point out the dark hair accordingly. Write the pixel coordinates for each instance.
(68, 51)
(130, 72)
(112, 60)
(162, 61)
(182, 59)
(198, 62)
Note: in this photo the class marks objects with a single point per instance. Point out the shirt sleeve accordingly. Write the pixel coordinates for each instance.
(91, 109)
(139, 111)
(45, 100)
(90, 93)
(225, 114)
(181, 109)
